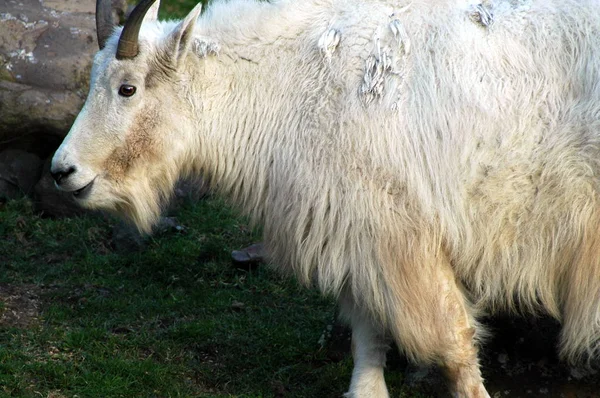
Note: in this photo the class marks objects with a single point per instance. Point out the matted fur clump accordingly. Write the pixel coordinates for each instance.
(424, 161)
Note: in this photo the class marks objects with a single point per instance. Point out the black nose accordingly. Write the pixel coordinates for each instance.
(62, 173)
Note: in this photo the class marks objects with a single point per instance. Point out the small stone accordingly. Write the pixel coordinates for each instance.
(249, 257)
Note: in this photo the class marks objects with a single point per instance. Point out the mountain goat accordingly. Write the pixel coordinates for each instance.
(424, 161)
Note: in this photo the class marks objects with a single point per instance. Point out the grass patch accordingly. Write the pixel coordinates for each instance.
(178, 9)
(173, 319)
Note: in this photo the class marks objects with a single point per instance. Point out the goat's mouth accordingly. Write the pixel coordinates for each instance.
(84, 191)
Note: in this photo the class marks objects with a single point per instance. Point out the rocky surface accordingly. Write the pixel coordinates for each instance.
(46, 48)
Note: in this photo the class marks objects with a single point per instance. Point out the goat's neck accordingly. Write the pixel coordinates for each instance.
(237, 126)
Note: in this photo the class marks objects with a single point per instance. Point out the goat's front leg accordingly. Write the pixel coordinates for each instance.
(369, 348)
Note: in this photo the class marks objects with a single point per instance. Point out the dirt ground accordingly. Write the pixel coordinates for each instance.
(520, 361)
(19, 305)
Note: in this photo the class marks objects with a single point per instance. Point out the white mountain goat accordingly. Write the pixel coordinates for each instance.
(425, 161)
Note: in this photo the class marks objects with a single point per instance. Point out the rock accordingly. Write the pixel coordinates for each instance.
(249, 257)
(46, 49)
(50, 200)
(19, 171)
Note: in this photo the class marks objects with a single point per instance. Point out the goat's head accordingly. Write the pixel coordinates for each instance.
(123, 153)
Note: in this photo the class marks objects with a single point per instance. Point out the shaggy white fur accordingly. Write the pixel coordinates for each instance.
(423, 160)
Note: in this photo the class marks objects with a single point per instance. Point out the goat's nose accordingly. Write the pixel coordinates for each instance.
(59, 174)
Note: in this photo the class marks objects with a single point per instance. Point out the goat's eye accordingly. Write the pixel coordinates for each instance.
(126, 90)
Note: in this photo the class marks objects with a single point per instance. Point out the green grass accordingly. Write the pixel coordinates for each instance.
(162, 321)
(178, 9)
(158, 321)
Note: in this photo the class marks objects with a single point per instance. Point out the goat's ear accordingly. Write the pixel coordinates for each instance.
(179, 41)
(152, 13)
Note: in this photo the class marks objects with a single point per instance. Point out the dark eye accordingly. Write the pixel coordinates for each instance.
(126, 90)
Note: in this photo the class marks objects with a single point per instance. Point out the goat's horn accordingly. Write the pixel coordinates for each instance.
(104, 21)
(128, 42)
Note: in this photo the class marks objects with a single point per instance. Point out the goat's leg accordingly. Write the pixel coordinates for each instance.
(369, 348)
(430, 318)
(458, 358)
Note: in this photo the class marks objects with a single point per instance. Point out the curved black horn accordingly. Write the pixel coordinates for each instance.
(104, 21)
(128, 42)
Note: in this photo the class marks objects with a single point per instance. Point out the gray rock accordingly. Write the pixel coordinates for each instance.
(249, 257)
(19, 171)
(46, 48)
